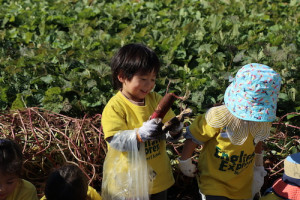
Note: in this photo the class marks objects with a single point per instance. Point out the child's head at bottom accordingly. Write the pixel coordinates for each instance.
(10, 167)
(66, 183)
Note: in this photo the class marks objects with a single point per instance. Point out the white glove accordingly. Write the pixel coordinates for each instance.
(151, 130)
(187, 167)
(258, 179)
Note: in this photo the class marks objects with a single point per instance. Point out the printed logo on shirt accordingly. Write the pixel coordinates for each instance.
(152, 148)
(234, 163)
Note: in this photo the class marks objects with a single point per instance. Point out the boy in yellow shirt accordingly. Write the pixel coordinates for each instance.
(229, 133)
(12, 187)
(136, 145)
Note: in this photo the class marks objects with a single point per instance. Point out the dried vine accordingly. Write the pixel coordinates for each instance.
(50, 140)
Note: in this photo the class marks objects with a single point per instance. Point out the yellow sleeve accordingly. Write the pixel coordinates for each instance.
(113, 120)
(43, 198)
(93, 194)
(201, 130)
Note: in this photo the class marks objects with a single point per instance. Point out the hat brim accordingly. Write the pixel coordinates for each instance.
(285, 190)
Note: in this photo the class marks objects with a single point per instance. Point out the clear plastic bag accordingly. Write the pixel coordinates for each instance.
(126, 173)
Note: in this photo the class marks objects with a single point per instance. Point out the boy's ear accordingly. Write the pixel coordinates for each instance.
(120, 77)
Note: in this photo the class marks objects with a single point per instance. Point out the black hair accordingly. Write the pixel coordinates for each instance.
(11, 160)
(66, 183)
(132, 59)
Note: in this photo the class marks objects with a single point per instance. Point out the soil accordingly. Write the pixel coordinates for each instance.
(185, 188)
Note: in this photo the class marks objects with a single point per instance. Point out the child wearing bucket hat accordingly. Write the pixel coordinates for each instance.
(288, 186)
(229, 164)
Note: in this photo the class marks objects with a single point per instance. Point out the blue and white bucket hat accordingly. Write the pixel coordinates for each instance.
(253, 94)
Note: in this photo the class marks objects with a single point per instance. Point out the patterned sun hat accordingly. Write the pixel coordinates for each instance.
(253, 94)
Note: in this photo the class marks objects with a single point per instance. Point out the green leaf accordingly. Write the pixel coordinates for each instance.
(18, 103)
(291, 116)
(47, 79)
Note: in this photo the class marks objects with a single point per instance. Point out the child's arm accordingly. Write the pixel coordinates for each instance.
(124, 140)
(259, 170)
(188, 149)
(259, 154)
(185, 161)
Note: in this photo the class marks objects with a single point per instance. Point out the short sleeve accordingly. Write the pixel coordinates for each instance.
(113, 120)
(201, 131)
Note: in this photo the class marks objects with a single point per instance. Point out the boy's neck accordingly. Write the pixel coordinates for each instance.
(139, 103)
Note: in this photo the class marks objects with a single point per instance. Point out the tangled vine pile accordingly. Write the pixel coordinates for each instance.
(50, 140)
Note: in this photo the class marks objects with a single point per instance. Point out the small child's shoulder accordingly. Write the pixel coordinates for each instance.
(113, 101)
(25, 190)
(93, 194)
(115, 98)
(27, 185)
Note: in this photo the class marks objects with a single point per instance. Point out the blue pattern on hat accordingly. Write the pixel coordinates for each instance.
(253, 94)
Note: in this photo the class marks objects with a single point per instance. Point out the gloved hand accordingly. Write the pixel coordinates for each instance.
(187, 167)
(151, 130)
(258, 179)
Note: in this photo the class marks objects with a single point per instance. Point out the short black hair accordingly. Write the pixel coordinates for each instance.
(11, 157)
(132, 59)
(66, 183)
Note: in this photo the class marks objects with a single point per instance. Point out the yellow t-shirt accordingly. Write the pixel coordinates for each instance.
(121, 114)
(91, 193)
(224, 169)
(24, 190)
(271, 196)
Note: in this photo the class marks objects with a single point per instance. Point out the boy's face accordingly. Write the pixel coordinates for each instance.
(8, 183)
(139, 86)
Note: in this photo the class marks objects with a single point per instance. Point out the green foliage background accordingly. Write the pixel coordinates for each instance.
(55, 53)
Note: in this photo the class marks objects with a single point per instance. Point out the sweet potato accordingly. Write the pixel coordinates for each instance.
(163, 106)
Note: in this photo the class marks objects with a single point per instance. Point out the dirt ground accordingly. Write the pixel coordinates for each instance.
(185, 188)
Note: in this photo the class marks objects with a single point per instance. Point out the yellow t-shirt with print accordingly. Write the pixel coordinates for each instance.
(224, 169)
(92, 194)
(120, 114)
(24, 190)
